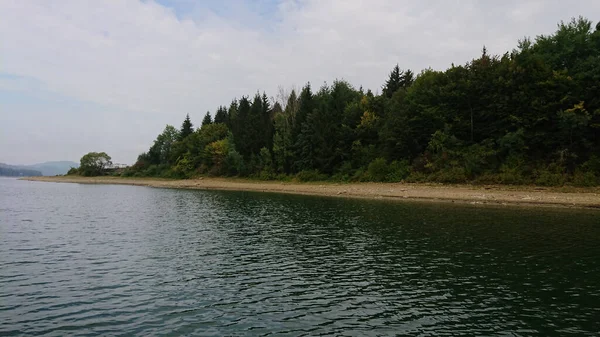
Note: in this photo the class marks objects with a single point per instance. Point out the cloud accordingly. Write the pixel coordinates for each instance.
(141, 64)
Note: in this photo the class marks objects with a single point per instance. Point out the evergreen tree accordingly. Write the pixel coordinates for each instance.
(241, 133)
(207, 119)
(221, 115)
(187, 128)
(394, 82)
(255, 127)
(267, 122)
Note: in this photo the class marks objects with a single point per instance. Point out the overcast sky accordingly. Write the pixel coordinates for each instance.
(79, 76)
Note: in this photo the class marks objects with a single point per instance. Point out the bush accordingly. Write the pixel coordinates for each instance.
(310, 175)
(172, 173)
(552, 175)
(234, 163)
(453, 175)
(585, 179)
(73, 171)
(592, 165)
(344, 173)
(416, 177)
(512, 177)
(398, 171)
(546, 178)
(378, 170)
(359, 175)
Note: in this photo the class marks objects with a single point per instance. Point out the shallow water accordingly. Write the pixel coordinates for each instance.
(93, 260)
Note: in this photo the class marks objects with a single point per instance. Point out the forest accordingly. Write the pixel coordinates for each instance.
(529, 116)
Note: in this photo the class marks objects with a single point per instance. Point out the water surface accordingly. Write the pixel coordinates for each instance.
(101, 260)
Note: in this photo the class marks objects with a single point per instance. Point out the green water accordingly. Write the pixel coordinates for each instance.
(104, 260)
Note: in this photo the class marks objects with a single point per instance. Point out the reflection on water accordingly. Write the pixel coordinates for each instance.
(102, 260)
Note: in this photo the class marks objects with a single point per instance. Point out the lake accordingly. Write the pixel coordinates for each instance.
(103, 260)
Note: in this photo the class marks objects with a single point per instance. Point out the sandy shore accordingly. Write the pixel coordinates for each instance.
(499, 195)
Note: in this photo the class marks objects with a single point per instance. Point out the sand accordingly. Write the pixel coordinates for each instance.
(473, 194)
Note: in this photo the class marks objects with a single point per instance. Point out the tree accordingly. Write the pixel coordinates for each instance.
(221, 115)
(207, 119)
(397, 80)
(94, 164)
(504, 116)
(160, 152)
(187, 128)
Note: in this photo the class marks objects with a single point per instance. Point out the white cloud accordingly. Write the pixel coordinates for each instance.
(148, 65)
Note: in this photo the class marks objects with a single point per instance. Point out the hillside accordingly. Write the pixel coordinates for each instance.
(52, 168)
(14, 171)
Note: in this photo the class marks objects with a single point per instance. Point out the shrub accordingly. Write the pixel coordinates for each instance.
(378, 170)
(234, 163)
(344, 173)
(585, 179)
(450, 175)
(310, 175)
(545, 178)
(552, 175)
(398, 171)
(359, 175)
(73, 171)
(592, 165)
(416, 177)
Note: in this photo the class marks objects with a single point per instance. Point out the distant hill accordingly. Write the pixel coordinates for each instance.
(15, 171)
(50, 168)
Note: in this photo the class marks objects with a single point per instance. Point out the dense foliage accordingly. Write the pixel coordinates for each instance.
(531, 115)
(92, 164)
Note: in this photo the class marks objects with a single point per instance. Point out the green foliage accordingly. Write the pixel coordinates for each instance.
(378, 170)
(451, 175)
(94, 164)
(344, 173)
(73, 171)
(221, 116)
(399, 170)
(529, 116)
(207, 119)
(187, 128)
(552, 175)
(310, 175)
(585, 179)
(160, 152)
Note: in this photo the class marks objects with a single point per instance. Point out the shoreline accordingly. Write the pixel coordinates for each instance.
(467, 194)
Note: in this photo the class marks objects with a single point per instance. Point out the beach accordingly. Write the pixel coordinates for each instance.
(472, 194)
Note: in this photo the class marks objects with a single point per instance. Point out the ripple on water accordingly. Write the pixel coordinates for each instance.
(120, 260)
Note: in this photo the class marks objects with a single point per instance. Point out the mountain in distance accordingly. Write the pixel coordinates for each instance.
(50, 168)
(15, 171)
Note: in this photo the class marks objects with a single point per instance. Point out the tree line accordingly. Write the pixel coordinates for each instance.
(531, 115)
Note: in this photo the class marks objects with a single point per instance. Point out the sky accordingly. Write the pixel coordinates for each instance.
(100, 75)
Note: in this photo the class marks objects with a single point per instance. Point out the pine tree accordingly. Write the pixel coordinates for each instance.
(394, 82)
(221, 115)
(207, 119)
(267, 122)
(240, 126)
(255, 126)
(187, 128)
(408, 77)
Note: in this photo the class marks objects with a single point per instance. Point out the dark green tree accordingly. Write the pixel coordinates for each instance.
(207, 119)
(221, 115)
(187, 128)
(94, 164)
